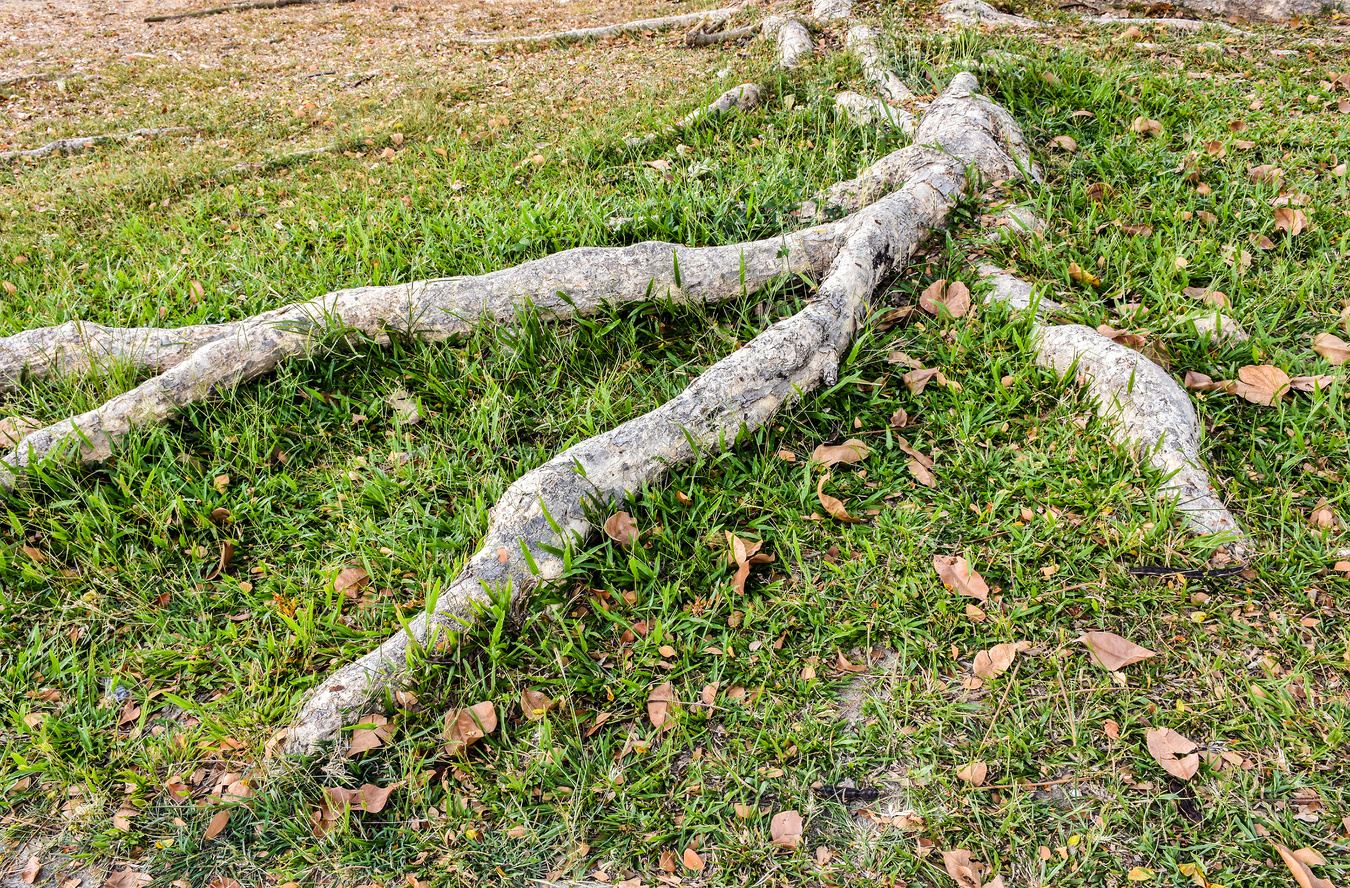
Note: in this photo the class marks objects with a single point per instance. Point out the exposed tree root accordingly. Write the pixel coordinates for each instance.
(1176, 24)
(254, 166)
(79, 144)
(826, 11)
(866, 111)
(699, 37)
(862, 44)
(794, 40)
(235, 7)
(977, 12)
(739, 98)
(664, 23)
(1150, 412)
(547, 506)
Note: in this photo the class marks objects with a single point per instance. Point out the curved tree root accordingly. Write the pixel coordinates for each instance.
(663, 23)
(861, 42)
(792, 37)
(545, 509)
(80, 144)
(700, 37)
(740, 98)
(1149, 411)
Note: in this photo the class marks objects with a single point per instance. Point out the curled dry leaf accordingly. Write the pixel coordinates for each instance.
(995, 661)
(785, 830)
(921, 473)
(662, 704)
(374, 731)
(1300, 863)
(1332, 347)
(1099, 191)
(1322, 517)
(1208, 296)
(851, 451)
(958, 575)
(1199, 382)
(1064, 143)
(835, 508)
(967, 873)
(350, 581)
(1291, 221)
(917, 380)
(941, 297)
(621, 529)
(1311, 383)
(899, 419)
(1080, 275)
(465, 727)
(1265, 173)
(1177, 755)
(1112, 652)
(1145, 127)
(534, 705)
(1264, 384)
(743, 554)
(974, 773)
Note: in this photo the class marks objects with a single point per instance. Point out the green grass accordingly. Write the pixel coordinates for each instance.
(1030, 489)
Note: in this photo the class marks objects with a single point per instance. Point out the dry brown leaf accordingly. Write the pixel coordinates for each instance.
(1291, 221)
(1199, 382)
(917, 380)
(899, 419)
(31, 870)
(534, 705)
(1112, 652)
(661, 705)
(1064, 143)
(621, 529)
(967, 873)
(667, 861)
(995, 661)
(973, 773)
(1208, 296)
(1263, 384)
(128, 878)
(365, 739)
(217, 824)
(843, 665)
(958, 575)
(851, 451)
(14, 429)
(692, 860)
(1299, 869)
(1265, 173)
(1177, 755)
(921, 473)
(1332, 347)
(785, 830)
(1146, 127)
(1322, 516)
(833, 507)
(1311, 383)
(350, 580)
(465, 727)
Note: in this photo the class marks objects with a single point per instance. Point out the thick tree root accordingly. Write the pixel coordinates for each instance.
(235, 7)
(79, 144)
(547, 506)
(1175, 24)
(976, 12)
(664, 23)
(826, 11)
(792, 37)
(739, 98)
(1150, 412)
(699, 37)
(867, 111)
(861, 42)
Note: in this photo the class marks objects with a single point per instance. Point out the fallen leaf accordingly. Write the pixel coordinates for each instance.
(14, 429)
(785, 830)
(1131, 33)
(1208, 296)
(1146, 127)
(921, 473)
(217, 824)
(1111, 728)
(1199, 382)
(942, 297)
(1112, 652)
(1082, 276)
(667, 861)
(833, 507)
(465, 727)
(661, 705)
(534, 705)
(1140, 874)
(128, 878)
(1099, 191)
(1311, 383)
(31, 870)
(1332, 347)
(973, 773)
(621, 529)
(1177, 755)
(1298, 867)
(917, 380)
(404, 406)
(851, 451)
(995, 661)
(350, 580)
(692, 860)
(1265, 173)
(1263, 384)
(956, 574)
(1064, 143)
(967, 873)
(899, 419)
(843, 665)
(1322, 516)
(1292, 221)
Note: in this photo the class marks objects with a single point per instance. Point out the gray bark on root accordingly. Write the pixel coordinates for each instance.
(867, 111)
(861, 43)
(79, 144)
(699, 37)
(976, 12)
(546, 507)
(744, 97)
(1148, 410)
(663, 23)
(792, 37)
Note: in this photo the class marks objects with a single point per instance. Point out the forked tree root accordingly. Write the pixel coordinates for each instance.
(1148, 410)
(79, 144)
(699, 37)
(234, 7)
(546, 509)
(663, 23)
(861, 43)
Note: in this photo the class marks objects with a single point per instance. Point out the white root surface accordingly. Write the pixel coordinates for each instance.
(976, 12)
(663, 23)
(741, 98)
(826, 11)
(80, 144)
(868, 111)
(1149, 410)
(792, 37)
(742, 391)
(699, 37)
(1176, 24)
(861, 43)
(193, 362)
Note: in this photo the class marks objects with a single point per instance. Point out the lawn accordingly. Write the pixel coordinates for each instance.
(163, 616)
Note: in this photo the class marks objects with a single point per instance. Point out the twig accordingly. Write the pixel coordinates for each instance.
(699, 37)
(1058, 782)
(235, 7)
